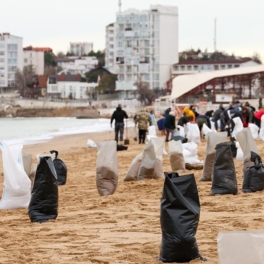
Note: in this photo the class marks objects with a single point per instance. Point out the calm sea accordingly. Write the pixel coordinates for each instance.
(31, 130)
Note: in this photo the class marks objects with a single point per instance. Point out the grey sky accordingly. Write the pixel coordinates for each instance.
(55, 23)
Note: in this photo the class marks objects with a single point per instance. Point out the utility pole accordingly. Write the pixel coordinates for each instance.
(215, 28)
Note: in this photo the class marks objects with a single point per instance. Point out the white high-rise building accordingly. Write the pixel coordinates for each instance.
(81, 48)
(141, 46)
(11, 59)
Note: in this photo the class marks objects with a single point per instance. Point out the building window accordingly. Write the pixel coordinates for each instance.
(2, 53)
(183, 68)
(12, 46)
(176, 68)
(230, 66)
(2, 46)
(12, 61)
(237, 66)
(2, 60)
(12, 68)
(25, 60)
(223, 67)
(195, 68)
(216, 67)
(189, 68)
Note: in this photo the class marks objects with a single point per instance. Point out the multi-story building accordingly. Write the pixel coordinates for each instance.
(196, 66)
(141, 46)
(69, 86)
(34, 57)
(11, 59)
(81, 48)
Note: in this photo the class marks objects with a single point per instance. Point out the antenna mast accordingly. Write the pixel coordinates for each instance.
(215, 35)
(120, 5)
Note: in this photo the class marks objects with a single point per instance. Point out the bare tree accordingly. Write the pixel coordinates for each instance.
(144, 94)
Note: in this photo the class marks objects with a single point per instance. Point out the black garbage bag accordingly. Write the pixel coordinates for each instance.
(121, 147)
(224, 173)
(179, 218)
(60, 168)
(43, 205)
(253, 180)
(233, 147)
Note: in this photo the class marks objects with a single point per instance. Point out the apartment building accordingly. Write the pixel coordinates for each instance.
(141, 46)
(196, 66)
(81, 48)
(34, 57)
(11, 59)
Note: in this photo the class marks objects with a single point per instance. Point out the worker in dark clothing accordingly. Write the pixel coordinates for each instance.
(166, 113)
(203, 119)
(217, 115)
(184, 120)
(209, 113)
(119, 115)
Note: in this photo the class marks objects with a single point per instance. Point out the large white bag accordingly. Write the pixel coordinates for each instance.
(212, 140)
(254, 130)
(106, 168)
(261, 131)
(181, 131)
(190, 153)
(206, 129)
(247, 144)
(193, 133)
(240, 154)
(17, 185)
(152, 131)
(248, 247)
(238, 126)
(176, 156)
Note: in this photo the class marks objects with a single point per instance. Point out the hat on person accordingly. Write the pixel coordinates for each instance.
(119, 105)
(172, 113)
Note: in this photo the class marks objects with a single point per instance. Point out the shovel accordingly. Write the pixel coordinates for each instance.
(126, 141)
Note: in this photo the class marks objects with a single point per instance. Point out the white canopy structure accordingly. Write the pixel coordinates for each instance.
(186, 83)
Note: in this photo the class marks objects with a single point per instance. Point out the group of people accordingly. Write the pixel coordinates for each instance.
(167, 124)
(142, 120)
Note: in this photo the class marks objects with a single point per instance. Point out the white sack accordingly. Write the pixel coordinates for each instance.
(133, 170)
(181, 131)
(91, 144)
(193, 134)
(254, 130)
(238, 126)
(261, 131)
(17, 185)
(176, 156)
(213, 126)
(190, 153)
(240, 155)
(243, 247)
(247, 144)
(152, 131)
(206, 129)
(106, 168)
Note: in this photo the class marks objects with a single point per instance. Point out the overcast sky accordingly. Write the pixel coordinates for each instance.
(55, 23)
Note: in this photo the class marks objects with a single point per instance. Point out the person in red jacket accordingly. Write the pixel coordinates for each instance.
(257, 117)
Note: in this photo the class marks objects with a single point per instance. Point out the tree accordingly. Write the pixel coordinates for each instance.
(256, 58)
(26, 81)
(49, 59)
(61, 54)
(144, 94)
(100, 55)
(107, 83)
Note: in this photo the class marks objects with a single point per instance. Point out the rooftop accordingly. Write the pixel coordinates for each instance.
(200, 62)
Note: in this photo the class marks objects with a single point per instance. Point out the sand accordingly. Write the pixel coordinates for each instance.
(124, 227)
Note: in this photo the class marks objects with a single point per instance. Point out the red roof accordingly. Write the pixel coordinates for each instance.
(45, 49)
(199, 62)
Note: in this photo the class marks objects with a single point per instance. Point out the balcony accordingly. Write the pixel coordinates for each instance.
(125, 86)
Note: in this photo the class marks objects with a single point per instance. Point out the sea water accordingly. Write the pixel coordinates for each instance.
(32, 130)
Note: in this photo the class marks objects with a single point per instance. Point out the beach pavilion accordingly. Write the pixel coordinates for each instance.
(221, 86)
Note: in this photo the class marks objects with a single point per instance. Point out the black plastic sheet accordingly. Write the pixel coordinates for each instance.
(233, 147)
(121, 147)
(61, 169)
(179, 218)
(253, 180)
(43, 205)
(224, 173)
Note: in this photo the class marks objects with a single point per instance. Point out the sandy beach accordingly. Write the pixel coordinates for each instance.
(123, 228)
